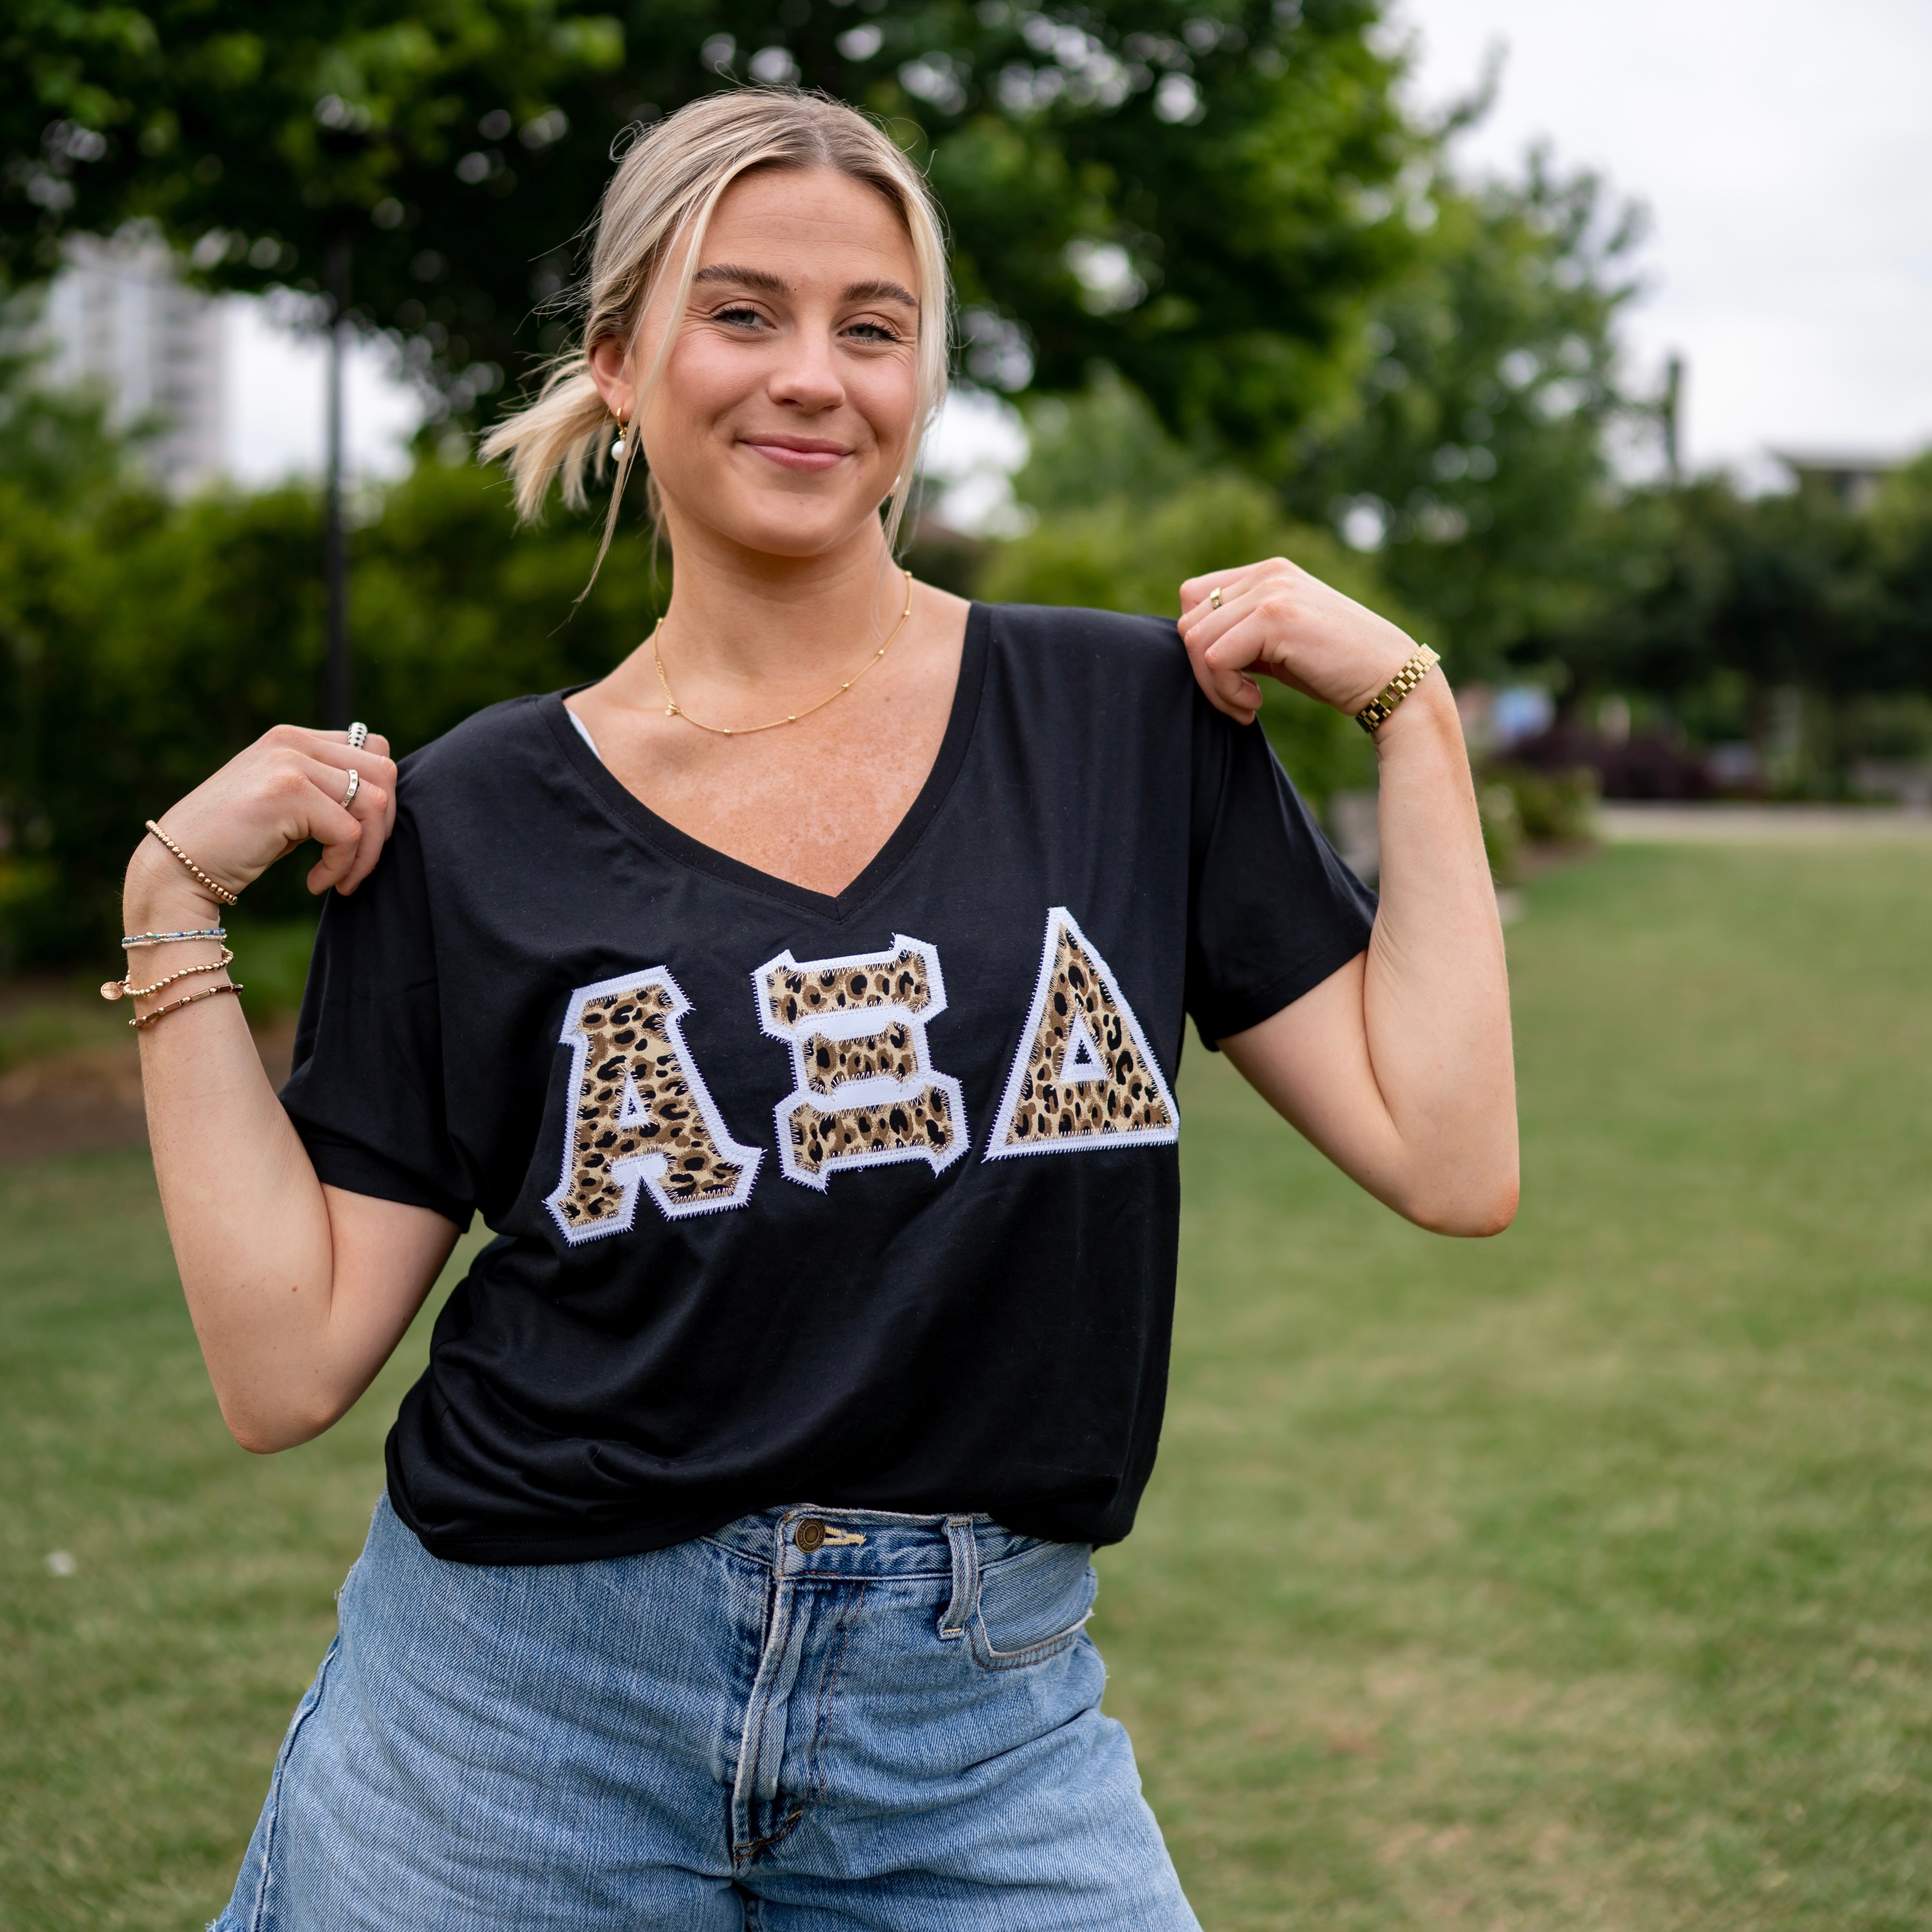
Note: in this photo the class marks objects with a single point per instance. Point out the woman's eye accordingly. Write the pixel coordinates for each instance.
(874, 331)
(740, 317)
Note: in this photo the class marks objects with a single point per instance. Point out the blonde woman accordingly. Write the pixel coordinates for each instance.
(801, 1006)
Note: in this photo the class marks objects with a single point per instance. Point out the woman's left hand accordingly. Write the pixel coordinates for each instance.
(1274, 618)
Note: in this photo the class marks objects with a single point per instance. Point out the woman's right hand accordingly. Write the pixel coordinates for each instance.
(285, 789)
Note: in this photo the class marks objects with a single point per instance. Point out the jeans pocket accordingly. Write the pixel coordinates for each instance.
(1033, 1607)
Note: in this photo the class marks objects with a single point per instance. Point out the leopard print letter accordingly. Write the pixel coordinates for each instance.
(640, 1113)
(1084, 1076)
(864, 1091)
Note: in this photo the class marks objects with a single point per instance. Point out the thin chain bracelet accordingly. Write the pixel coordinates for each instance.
(131, 940)
(145, 1021)
(120, 989)
(219, 891)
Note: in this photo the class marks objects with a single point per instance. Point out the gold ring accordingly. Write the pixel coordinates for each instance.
(355, 786)
(1214, 599)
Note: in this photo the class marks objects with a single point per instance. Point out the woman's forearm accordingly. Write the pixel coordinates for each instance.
(1436, 992)
(298, 1292)
(1398, 1065)
(245, 1213)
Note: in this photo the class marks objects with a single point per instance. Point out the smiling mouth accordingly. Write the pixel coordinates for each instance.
(805, 453)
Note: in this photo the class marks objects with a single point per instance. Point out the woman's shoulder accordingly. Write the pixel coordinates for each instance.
(501, 740)
(1074, 628)
(1069, 641)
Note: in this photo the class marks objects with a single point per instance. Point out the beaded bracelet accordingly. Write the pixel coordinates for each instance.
(141, 1023)
(120, 989)
(133, 939)
(219, 891)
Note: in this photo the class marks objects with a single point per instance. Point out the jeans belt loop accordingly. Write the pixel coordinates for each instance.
(965, 1548)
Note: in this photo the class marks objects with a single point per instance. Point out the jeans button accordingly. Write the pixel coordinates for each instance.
(809, 1535)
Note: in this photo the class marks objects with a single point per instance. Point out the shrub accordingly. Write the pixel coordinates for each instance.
(1502, 831)
(144, 642)
(1551, 807)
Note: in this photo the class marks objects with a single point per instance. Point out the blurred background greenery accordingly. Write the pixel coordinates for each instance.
(1241, 298)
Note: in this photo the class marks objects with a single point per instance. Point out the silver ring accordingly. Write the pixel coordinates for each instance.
(358, 735)
(355, 786)
(1214, 599)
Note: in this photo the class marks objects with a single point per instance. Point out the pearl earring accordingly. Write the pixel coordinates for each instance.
(617, 448)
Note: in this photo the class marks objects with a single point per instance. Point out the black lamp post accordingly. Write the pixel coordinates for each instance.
(1673, 405)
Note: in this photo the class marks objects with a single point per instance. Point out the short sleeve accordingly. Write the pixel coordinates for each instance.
(1273, 911)
(367, 1091)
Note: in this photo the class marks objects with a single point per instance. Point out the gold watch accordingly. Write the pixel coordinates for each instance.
(1380, 709)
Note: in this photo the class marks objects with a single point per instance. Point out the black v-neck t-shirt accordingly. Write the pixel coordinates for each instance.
(869, 1200)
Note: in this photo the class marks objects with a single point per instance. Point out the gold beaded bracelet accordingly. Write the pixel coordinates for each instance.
(219, 891)
(122, 989)
(1378, 710)
(146, 1020)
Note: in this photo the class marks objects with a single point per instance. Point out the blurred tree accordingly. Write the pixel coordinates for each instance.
(1787, 620)
(143, 642)
(259, 135)
(1702, 582)
(65, 490)
(1478, 461)
(1896, 607)
(1193, 190)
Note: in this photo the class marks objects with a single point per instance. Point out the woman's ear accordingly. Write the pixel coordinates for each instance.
(610, 363)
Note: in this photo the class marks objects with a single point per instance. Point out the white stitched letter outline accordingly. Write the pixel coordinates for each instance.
(864, 1091)
(1084, 1077)
(641, 1114)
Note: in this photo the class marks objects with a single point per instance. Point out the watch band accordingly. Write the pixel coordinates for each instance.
(1378, 710)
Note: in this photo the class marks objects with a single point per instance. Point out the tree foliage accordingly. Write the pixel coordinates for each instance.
(1705, 588)
(1190, 190)
(143, 642)
(1478, 460)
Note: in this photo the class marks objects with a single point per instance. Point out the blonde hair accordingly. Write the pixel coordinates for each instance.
(667, 186)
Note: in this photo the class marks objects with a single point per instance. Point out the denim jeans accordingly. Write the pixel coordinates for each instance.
(811, 1719)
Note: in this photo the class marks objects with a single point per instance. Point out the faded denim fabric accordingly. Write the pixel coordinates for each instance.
(896, 1727)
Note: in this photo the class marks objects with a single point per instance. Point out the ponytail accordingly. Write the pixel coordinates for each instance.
(561, 434)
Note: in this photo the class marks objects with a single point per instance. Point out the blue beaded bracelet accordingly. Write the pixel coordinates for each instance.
(168, 938)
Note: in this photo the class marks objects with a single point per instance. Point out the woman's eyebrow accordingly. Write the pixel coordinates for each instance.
(881, 292)
(770, 284)
(747, 278)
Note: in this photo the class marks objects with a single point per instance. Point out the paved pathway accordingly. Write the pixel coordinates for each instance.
(1626, 822)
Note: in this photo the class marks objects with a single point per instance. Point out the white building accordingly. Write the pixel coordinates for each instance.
(1851, 478)
(118, 320)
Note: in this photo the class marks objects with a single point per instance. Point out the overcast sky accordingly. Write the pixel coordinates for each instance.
(1784, 152)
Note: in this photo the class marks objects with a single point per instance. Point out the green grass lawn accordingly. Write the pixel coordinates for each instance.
(1580, 1578)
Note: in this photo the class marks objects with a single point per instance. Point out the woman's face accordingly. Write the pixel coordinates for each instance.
(787, 404)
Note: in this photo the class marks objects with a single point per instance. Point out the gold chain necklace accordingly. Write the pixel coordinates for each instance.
(674, 709)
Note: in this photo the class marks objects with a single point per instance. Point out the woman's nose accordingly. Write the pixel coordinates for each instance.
(807, 378)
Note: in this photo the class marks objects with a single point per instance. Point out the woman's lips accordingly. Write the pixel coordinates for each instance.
(797, 452)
